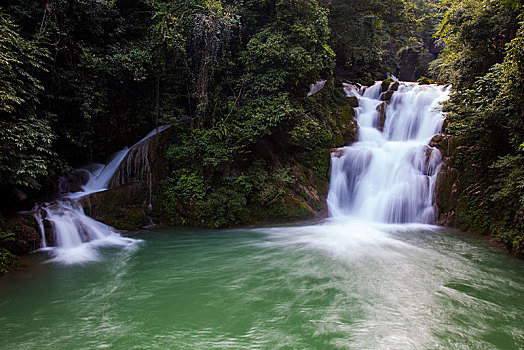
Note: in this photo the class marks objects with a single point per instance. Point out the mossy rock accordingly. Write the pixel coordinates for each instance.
(124, 208)
(347, 113)
(424, 81)
(386, 96)
(385, 84)
(27, 237)
(126, 218)
(346, 125)
(353, 101)
(381, 109)
(394, 86)
(446, 188)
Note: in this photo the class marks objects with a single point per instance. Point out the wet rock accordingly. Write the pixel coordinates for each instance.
(381, 121)
(385, 84)
(73, 182)
(394, 86)
(447, 194)
(386, 96)
(346, 125)
(124, 208)
(27, 237)
(353, 101)
(337, 152)
(424, 81)
(445, 143)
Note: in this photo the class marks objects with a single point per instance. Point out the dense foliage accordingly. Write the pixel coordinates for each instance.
(25, 133)
(374, 38)
(474, 34)
(84, 78)
(81, 79)
(488, 115)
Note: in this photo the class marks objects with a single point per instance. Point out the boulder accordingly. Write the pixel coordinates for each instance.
(386, 96)
(125, 207)
(447, 194)
(385, 84)
(27, 235)
(353, 101)
(381, 121)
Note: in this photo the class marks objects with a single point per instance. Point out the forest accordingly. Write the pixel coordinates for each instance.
(81, 79)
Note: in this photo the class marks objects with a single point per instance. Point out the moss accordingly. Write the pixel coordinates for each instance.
(424, 81)
(346, 126)
(353, 101)
(126, 218)
(385, 84)
(124, 208)
(386, 96)
(7, 260)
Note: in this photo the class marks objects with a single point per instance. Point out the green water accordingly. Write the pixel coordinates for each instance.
(326, 286)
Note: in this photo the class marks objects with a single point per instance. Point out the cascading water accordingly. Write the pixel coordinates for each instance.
(388, 175)
(75, 234)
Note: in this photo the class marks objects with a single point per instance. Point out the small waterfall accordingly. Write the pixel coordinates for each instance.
(388, 175)
(40, 221)
(75, 235)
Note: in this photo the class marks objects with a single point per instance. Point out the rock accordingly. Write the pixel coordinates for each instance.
(73, 182)
(386, 96)
(394, 86)
(447, 194)
(385, 84)
(424, 81)
(337, 152)
(347, 128)
(445, 143)
(381, 121)
(124, 207)
(27, 235)
(314, 88)
(353, 101)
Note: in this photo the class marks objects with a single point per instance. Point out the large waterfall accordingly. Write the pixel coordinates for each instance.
(388, 175)
(75, 235)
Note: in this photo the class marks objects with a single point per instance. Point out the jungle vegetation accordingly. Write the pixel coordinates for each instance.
(79, 79)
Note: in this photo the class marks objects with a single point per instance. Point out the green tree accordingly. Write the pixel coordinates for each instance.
(25, 135)
(474, 34)
(489, 117)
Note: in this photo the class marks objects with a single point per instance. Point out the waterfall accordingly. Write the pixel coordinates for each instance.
(76, 236)
(38, 217)
(388, 175)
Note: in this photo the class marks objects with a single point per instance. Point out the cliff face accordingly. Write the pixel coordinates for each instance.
(447, 186)
(464, 197)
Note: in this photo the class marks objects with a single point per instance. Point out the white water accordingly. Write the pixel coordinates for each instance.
(38, 217)
(388, 176)
(77, 236)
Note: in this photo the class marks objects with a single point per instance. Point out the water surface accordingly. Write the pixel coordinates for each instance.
(338, 284)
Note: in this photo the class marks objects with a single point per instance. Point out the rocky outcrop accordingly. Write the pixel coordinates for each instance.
(447, 185)
(27, 237)
(446, 189)
(129, 204)
(381, 121)
(125, 207)
(386, 96)
(346, 125)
